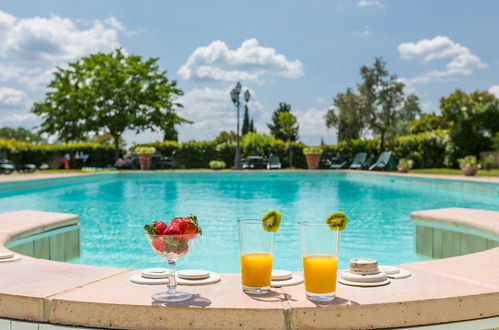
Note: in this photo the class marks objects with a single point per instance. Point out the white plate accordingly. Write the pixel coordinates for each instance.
(139, 279)
(155, 273)
(365, 284)
(6, 255)
(281, 275)
(371, 278)
(294, 280)
(15, 258)
(193, 274)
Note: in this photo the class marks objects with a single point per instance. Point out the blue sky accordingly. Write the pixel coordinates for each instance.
(300, 52)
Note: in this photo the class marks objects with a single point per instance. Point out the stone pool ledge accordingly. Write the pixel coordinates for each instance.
(440, 291)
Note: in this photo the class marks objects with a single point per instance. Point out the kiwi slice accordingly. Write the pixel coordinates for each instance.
(337, 221)
(271, 221)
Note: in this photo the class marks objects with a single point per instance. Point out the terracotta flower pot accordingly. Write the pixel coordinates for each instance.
(470, 170)
(217, 168)
(313, 160)
(145, 161)
(402, 169)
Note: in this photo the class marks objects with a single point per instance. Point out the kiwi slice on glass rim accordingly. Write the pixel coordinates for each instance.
(271, 221)
(337, 221)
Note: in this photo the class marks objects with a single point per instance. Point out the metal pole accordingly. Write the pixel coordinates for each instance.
(237, 161)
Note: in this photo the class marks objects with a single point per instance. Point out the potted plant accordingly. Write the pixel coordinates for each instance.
(217, 165)
(469, 165)
(404, 165)
(313, 156)
(145, 156)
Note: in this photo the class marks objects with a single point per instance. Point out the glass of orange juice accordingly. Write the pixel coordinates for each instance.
(319, 246)
(257, 249)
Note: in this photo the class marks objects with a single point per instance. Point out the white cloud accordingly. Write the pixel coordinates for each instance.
(249, 62)
(366, 31)
(10, 97)
(312, 126)
(462, 61)
(212, 111)
(494, 89)
(53, 38)
(19, 118)
(370, 3)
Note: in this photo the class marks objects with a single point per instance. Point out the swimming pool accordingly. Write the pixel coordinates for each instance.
(114, 207)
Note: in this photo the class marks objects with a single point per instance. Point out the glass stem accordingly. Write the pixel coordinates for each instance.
(172, 280)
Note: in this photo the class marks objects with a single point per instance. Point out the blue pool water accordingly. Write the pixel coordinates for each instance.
(113, 208)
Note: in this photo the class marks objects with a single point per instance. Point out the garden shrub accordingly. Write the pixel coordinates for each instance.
(25, 152)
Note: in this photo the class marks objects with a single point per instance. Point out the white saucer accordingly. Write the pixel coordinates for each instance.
(281, 275)
(395, 273)
(213, 278)
(14, 258)
(155, 273)
(193, 274)
(6, 255)
(294, 280)
(363, 284)
(360, 278)
(139, 279)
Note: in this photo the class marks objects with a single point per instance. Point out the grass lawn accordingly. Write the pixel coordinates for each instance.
(493, 172)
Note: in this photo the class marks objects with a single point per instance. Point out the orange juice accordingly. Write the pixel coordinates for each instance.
(256, 269)
(320, 273)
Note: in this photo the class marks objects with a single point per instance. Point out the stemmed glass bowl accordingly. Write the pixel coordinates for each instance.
(172, 248)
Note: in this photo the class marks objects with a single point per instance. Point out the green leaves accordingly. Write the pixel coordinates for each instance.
(108, 93)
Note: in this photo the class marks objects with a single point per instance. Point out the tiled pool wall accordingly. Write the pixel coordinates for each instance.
(441, 241)
(59, 244)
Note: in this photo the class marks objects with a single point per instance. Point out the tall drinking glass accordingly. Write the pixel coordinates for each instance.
(257, 250)
(319, 245)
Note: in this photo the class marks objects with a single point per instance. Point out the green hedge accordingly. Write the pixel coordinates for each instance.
(24, 152)
(428, 150)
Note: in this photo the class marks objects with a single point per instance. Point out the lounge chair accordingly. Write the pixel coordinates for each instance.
(339, 162)
(7, 167)
(273, 162)
(359, 162)
(382, 163)
(253, 162)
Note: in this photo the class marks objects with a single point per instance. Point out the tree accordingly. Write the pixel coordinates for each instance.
(106, 93)
(426, 122)
(226, 137)
(246, 122)
(473, 120)
(166, 122)
(347, 115)
(384, 100)
(289, 130)
(21, 134)
(252, 126)
(274, 126)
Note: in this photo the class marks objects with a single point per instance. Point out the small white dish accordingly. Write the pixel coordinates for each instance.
(395, 273)
(370, 278)
(294, 280)
(155, 273)
(213, 278)
(139, 279)
(14, 258)
(281, 275)
(6, 255)
(363, 284)
(193, 274)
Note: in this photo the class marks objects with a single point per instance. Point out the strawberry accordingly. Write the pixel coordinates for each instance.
(156, 228)
(172, 230)
(187, 227)
(159, 244)
(176, 221)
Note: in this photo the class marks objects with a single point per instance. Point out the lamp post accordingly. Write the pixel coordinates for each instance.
(234, 95)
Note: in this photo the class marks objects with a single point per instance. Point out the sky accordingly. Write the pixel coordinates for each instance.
(299, 52)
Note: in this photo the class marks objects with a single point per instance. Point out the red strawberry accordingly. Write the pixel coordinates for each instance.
(172, 230)
(159, 244)
(156, 228)
(176, 221)
(160, 227)
(187, 227)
